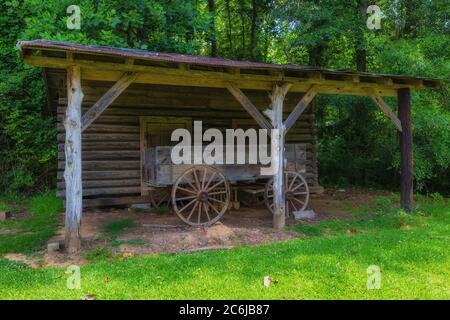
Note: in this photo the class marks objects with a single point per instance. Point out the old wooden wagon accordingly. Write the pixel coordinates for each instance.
(201, 194)
(113, 104)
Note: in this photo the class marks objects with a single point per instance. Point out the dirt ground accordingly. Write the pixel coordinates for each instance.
(153, 233)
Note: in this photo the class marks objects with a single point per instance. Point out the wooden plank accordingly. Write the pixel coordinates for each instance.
(100, 106)
(406, 150)
(112, 128)
(106, 165)
(329, 87)
(175, 76)
(107, 174)
(386, 110)
(300, 107)
(159, 111)
(136, 93)
(105, 119)
(313, 148)
(248, 105)
(106, 145)
(299, 138)
(106, 191)
(110, 201)
(107, 155)
(72, 173)
(105, 183)
(105, 137)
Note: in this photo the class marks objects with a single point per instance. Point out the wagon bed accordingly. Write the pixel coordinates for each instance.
(201, 194)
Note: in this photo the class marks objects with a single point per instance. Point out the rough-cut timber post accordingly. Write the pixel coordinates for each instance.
(277, 98)
(406, 149)
(300, 107)
(72, 172)
(386, 110)
(248, 105)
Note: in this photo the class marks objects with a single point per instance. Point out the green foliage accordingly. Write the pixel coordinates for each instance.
(28, 146)
(27, 134)
(357, 144)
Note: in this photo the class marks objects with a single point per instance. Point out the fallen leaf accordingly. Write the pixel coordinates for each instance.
(126, 255)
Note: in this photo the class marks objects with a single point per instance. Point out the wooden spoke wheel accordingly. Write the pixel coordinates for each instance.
(201, 195)
(296, 193)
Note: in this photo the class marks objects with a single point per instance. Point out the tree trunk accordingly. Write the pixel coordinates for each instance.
(242, 14)
(253, 30)
(406, 149)
(72, 172)
(230, 37)
(316, 55)
(213, 40)
(360, 45)
(279, 214)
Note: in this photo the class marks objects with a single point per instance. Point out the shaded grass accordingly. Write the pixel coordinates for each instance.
(114, 228)
(99, 253)
(414, 263)
(131, 242)
(381, 215)
(29, 233)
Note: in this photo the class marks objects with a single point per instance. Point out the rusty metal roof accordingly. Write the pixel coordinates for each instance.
(190, 59)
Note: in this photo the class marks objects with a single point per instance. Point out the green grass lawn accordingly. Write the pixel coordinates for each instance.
(30, 232)
(329, 262)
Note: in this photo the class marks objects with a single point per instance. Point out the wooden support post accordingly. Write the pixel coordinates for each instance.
(105, 101)
(72, 172)
(249, 106)
(406, 149)
(300, 107)
(277, 98)
(386, 110)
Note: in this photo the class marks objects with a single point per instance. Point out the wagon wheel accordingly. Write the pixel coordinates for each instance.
(201, 195)
(296, 193)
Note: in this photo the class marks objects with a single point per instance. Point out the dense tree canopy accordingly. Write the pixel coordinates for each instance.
(357, 144)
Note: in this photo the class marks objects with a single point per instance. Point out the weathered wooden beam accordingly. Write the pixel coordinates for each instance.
(386, 110)
(406, 150)
(300, 107)
(72, 173)
(107, 71)
(277, 97)
(97, 109)
(249, 106)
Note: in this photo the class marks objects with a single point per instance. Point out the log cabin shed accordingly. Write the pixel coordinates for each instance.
(111, 103)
